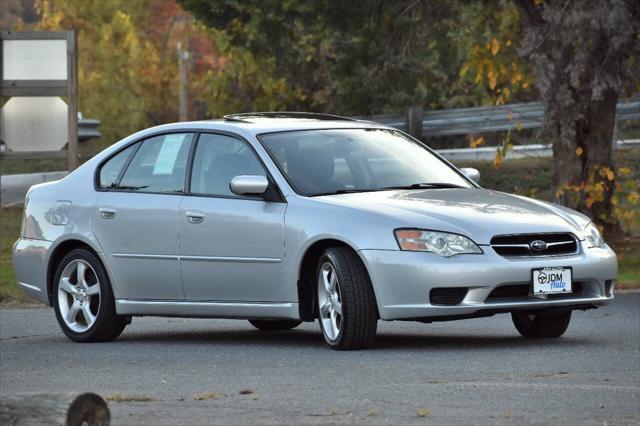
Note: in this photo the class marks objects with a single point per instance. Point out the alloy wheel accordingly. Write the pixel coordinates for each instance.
(330, 301)
(79, 295)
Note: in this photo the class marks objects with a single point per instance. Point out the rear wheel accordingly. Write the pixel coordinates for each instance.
(83, 299)
(541, 324)
(347, 310)
(275, 325)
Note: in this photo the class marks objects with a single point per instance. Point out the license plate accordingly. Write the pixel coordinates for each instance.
(551, 281)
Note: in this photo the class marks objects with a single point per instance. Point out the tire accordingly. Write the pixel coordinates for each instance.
(345, 303)
(275, 325)
(541, 325)
(95, 318)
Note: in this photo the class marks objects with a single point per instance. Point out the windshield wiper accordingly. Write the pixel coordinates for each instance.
(432, 185)
(435, 185)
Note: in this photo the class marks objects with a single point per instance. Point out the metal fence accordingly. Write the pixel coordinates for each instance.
(463, 121)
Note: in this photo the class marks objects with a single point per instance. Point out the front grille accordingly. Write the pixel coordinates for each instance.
(520, 291)
(545, 244)
(447, 295)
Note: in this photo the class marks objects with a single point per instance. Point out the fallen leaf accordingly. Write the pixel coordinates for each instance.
(423, 412)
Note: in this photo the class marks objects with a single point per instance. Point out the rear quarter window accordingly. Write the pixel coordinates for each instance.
(110, 171)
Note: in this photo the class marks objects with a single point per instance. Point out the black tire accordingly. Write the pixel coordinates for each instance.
(108, 325)
(541, 325)
(275, 325)
(359, 319)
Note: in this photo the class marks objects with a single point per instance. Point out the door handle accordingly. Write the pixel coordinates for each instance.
(194, 216)
(107, 212)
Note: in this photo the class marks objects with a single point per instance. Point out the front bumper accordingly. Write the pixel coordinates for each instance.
(402, 281)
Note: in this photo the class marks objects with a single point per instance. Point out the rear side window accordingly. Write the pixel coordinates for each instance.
(110, 171)
(159, 165)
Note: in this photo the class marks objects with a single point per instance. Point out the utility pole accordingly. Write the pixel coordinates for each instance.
(183, 57)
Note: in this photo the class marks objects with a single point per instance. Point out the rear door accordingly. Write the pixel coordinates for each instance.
(136, 217)
(231, 247)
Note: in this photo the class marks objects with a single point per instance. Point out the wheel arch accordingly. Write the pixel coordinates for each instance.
(307, 270)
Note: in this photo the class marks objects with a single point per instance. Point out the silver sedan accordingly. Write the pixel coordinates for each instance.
(280, 218)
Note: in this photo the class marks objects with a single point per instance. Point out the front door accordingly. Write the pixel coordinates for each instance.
(136, 217)
(231, 247)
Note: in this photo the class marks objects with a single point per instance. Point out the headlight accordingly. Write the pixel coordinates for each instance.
(442, 243)
(592, 236)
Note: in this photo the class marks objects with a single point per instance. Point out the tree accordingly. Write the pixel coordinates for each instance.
(127, 60)
(352, 58)
(582, 53)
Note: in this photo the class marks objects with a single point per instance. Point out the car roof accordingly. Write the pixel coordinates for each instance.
(256, 123)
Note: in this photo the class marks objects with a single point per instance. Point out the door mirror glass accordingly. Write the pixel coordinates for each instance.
(249, 185)
(471, 173)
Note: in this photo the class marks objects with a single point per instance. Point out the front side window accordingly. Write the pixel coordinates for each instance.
(217, 160)
(319, 162)
(159, 165)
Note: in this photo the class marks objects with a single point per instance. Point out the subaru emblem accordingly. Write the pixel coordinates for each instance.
(538, 245)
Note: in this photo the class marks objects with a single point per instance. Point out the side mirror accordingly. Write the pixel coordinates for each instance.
(471, 173)
(249, 185)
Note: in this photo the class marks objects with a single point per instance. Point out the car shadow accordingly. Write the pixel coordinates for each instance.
(388, 340)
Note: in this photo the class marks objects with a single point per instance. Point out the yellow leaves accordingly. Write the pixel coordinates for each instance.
(633, 197)
(606, 172)
(497, 161)
(624, 171)
(506, 93)
(589, 202)
(465, 69)
(610, 175)
(518, 126)
(476, 142)
(492, 78)
(579, 151)
(494, 46)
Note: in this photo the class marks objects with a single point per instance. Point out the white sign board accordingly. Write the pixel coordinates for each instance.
(34, 124)
(34, 59)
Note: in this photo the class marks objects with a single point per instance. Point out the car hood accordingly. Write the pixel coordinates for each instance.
(477, 213)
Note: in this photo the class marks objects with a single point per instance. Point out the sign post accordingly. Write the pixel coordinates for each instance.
(34, 67)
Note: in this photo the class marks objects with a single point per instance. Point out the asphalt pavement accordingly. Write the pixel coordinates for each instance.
(193, 371)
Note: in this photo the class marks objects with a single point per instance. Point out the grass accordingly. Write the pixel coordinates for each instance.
(529, 177)
(10, 221)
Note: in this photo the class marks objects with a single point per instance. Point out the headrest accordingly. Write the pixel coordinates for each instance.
(314, 165)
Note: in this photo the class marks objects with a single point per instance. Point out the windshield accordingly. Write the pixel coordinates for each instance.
(334, 161)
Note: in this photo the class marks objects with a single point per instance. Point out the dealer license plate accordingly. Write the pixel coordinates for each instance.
(551, 281)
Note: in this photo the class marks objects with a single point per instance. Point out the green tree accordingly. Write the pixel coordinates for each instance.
(127, 61)
(362, 57)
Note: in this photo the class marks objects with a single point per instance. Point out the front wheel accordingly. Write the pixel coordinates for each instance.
(83, 299)
(542, 324)
(347, 310)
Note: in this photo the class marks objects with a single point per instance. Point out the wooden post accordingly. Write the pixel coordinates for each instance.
(72, 100)
(414, 122)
